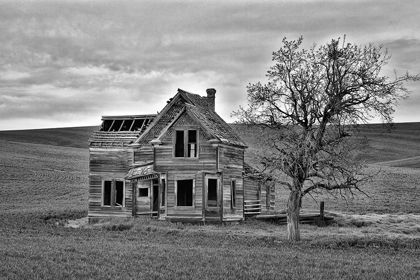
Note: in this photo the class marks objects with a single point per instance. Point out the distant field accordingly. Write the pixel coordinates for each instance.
(402, 142)
(44, 182)
(76, 137)
(53, 163)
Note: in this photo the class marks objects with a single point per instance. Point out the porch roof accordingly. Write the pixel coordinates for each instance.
(144, 172)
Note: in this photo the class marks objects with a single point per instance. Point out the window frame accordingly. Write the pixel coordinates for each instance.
(113, 194)
(218, 192)
(163, 190)
(176, 206)
(186, 143)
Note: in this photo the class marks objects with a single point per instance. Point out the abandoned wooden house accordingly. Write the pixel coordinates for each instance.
(183, 164)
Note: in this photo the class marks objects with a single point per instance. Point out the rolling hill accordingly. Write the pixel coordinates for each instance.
(48, 168)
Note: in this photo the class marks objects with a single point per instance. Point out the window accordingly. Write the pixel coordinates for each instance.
(212, 193)
(233, 194)
(186, 143)
(113, 193)
(144, 192)
(184, 192)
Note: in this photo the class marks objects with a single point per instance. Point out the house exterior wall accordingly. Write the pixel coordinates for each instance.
(264, 191)
(231, 160)
(108, 164)
(180, 168)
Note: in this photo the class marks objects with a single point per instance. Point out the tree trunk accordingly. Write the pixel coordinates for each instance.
(293, 209)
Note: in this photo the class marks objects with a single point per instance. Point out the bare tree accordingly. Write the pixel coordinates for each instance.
(312, 102)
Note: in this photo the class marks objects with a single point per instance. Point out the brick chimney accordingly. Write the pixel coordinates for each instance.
(211, 96)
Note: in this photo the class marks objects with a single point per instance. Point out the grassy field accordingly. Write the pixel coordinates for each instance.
(44, 183)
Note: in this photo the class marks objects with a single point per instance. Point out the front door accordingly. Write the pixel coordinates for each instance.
(212, 195)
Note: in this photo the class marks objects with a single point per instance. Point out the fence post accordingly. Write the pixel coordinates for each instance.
(321, 214)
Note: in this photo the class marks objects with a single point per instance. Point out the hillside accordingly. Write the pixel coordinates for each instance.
(390, 148)
(399, 147)
(76, 137)
(51, 165)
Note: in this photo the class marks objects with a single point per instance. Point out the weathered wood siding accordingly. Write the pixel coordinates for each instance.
(143, 153)
(231, 161)
(108, 164)
(264, 191)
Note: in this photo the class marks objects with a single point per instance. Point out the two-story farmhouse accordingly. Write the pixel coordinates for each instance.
(183, 164)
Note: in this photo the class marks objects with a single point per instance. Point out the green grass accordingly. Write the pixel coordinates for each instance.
(42, 185)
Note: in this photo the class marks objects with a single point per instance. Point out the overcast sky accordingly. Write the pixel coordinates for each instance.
(67, 63)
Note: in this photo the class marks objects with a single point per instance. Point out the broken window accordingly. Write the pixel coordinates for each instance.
(212, 192)
(106, 125)
(186, 143)
(233, 194)
(184, 192)
(116, 125)
(126, 125)
(192, 143)
(138, 123)
(113, 193)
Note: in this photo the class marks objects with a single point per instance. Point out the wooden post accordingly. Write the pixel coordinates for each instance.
(134, 199)
(321, 214)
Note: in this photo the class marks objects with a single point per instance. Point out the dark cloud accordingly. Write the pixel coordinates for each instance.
(83, 57)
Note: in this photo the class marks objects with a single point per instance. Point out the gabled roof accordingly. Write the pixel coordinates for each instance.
(200, 109)
(215, 125)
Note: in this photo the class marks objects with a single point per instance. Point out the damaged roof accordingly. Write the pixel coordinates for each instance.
(215, 125)
(198, 107)
(120, 131)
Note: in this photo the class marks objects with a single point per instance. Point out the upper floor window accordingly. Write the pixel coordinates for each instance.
(186, 143)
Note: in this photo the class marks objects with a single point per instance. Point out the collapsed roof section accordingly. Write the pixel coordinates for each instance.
(120, 131)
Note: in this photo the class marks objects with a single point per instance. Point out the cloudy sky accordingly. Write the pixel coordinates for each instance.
(67, 63)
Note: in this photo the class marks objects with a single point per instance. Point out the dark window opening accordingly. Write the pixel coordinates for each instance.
(106, 124)
(137, 124)
(113, 193)
(233, 194)
(212, 193)
(163, 192)
(119, 193)
(184, 196)
(126, 125)
(179, 143)
(116, 125)
(107, 193)
(143, 192)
